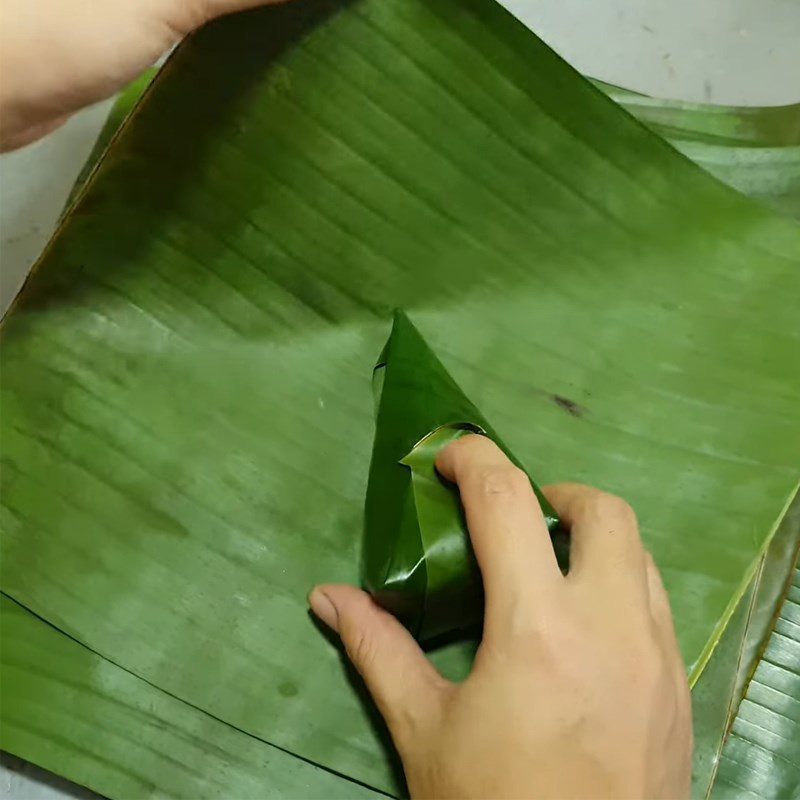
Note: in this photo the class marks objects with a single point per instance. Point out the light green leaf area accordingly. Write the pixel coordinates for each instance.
(81, 716)
(753, 149)
(187, 416)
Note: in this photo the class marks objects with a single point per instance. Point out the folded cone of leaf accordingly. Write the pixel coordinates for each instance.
(417, 560)
(186, 418)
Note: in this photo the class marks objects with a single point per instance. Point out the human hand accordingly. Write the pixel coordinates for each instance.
(59, 56)
(578, 689)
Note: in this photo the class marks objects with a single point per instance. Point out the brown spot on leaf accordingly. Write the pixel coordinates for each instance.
(287, 689)
(570, 406)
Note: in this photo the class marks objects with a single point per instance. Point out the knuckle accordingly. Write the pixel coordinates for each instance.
(609, 507)
(182, 18)
(408, 722)
(503, 481)
(361, 650)
(647, 655)
(470, 446)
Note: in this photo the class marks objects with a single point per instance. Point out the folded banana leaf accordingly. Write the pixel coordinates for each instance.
(417, 559)
(186, 423)
(753, 149)
(117, 115)
(761, 759)
(717, 693)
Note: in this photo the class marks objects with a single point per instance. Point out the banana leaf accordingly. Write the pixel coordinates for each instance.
(181, 374)
(683, 120)
(417, 559)
(762, 756)
(753, 149)
(744, 762)
(75, 713)
(119, 112)
(716, 695)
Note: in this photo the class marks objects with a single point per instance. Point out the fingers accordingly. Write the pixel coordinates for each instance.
(15, 138)
(662, 616)
(604, 536)
(659, 600)
(208, 9)
(404, 684)
(665, 631)
(508, 532)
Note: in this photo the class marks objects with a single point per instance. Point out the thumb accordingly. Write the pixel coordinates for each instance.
(404, 684)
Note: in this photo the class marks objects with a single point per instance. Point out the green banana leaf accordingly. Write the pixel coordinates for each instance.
(63, 705)
(774, 779)
(761, 759)
(122, 107)
(753, 149)
(716, 695)
(417, 559)
(181, 374)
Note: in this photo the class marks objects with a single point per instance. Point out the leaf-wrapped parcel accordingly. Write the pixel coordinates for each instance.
(417, 558)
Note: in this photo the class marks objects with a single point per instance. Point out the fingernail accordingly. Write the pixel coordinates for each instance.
(324, 608)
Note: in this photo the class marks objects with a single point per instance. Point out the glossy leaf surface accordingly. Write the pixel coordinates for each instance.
(417, 558)
(717, 694)
(123, 105)
(72, 712)
(754, 149)
(761, 757)
(185, 379)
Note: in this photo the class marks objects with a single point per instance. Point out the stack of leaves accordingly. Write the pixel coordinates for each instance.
(187, 415)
